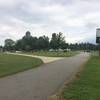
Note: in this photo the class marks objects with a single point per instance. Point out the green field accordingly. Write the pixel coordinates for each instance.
(54, 54)
(10, 64)
(87, 87)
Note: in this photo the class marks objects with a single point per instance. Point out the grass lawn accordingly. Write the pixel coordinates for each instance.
(55, 54)
(88, 86)
(10, 64)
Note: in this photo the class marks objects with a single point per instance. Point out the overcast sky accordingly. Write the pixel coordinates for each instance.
(77, 19)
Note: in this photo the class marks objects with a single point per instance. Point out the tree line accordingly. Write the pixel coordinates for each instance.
(29, 43)
(57, 41)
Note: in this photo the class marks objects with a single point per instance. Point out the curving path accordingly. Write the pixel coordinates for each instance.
(43, 58)
(41, 82)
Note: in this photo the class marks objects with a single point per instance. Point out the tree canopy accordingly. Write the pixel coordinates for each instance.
(28, 42)
(9, 44)
(57, 41)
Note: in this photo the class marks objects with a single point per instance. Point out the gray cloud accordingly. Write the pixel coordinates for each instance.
(78, 19)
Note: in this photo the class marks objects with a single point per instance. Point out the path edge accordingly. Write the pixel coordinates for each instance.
(74, 76)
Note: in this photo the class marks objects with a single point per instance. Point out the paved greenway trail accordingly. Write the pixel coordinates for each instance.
(41, 82)
(44, 59)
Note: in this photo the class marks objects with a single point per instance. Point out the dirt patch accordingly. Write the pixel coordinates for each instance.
(54, 97)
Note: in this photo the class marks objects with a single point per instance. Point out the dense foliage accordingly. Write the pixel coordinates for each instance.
(57, 41)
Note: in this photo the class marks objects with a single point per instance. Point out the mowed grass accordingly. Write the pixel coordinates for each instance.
(10, 64)
(87, 87)
(54, 54)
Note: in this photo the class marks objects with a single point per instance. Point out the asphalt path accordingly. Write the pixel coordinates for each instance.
(41, 82)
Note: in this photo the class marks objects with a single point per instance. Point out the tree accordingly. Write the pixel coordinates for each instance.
(43, 43)
(19, 45)
(27, 41)
(34, 43)
(53, 42)
(57, 41)
(9, 44)
(64, 45)
(1, 49)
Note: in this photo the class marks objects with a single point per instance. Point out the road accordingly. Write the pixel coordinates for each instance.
(41, 82)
